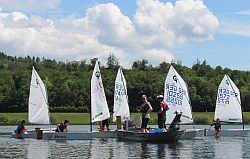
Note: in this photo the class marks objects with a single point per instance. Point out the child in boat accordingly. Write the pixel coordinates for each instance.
(63, 127)
(145, 109)
(175, 124)
(217, 127)
(20, 129)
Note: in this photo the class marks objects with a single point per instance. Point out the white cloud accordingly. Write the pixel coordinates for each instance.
(235, 28)
(156, 27)
(29, 5)
(245, 12)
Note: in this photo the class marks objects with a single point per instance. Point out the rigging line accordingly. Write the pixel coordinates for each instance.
(229, 81)
(183, 89)
(123, 82)
(37, 81)
(237, 100)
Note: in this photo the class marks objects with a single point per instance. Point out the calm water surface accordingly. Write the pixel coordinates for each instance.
(205, 147)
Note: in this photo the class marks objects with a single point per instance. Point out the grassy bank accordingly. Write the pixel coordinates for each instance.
(83, 118)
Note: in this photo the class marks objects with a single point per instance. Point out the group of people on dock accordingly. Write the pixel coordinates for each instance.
(162, 108)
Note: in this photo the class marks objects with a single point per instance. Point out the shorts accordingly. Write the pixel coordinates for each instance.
(144, 123)
(105, 122)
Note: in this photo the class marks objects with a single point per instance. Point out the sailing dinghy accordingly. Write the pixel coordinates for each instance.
(177, 97)
(99, 106)
(132, 134)
(121, 107)
(38, 106)
(99, 112)
(228, 108)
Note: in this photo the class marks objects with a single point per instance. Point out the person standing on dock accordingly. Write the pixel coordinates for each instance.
(162, 107)
(145, 109)
(217, 127)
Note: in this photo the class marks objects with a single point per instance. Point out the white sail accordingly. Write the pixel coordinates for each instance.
(121, 107)
(228, 103)
(99, 106)
(177, 98)
(38, 101)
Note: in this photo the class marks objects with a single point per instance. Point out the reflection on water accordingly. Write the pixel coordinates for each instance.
(111, 148)
(38, 149)
(207, 147)
(228, 148)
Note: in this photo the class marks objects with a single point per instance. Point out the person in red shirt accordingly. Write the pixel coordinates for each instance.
(162, 108)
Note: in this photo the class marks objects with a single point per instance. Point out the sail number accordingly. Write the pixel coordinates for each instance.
(224, 95)
(119, 91)
(174, 94)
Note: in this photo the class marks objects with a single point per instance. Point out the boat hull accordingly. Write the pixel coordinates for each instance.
(34, 134)
(78, 135)
(30, 134)
(228, 133)
(163, 137)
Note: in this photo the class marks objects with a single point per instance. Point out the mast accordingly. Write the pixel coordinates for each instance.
(90, 116)
(190, 106)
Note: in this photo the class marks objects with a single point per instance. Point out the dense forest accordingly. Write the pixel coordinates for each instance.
(68, 83)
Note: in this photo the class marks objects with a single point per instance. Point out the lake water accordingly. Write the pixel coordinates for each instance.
(204, 147)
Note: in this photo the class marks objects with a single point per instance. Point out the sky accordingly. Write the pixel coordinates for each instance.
(131, 30)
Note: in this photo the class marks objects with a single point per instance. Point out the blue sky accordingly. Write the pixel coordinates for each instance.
(185, 30)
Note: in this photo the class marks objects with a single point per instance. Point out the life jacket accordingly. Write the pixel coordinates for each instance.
(217, 126)
(20, 128)
(165, 106)
(62, 127)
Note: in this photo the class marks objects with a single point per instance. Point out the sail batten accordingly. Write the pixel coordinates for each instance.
(38, 101)
(228, 103)
(177, 97)
(121, 107)
(99, 106)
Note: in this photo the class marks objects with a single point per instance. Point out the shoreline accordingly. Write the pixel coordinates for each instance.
(83, 118)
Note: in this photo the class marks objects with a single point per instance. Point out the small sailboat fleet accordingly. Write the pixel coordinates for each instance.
(228, 109)
(99, 112)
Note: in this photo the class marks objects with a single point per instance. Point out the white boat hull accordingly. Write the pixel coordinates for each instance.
(29, 134)
(78, 135)
(228, 132)
(192, 133)
(32, 134)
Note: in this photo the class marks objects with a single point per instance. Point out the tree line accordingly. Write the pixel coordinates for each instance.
(68, 83)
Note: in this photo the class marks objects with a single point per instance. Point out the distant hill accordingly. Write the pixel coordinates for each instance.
(68, 84)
